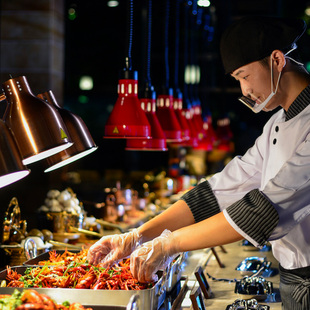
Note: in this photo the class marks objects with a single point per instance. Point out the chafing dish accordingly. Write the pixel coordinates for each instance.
(254, 287)
(152, 297)
(242, 304)
(255, 265)
(252, 265)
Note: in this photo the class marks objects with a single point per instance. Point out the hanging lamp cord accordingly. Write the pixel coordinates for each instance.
(149, 44)
(130, 36)
(177, 45)
(167, 43)
(186, 57)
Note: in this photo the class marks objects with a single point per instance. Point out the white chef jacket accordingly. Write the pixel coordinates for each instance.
(276, 170)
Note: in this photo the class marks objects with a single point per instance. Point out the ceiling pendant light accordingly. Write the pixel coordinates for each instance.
(194, 77)
(12, 168)
(148, 104)
(188, 113)
(207, 143)
(158, 141)
(37, 126)
(197, 119)
(224, 135)
(83, 143)
(178, 96)
(180, 114)
(167, 117)
(127, 119)
(165, 110)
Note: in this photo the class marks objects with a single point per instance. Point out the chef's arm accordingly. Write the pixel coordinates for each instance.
(194, 206)
(159, 252)
(211, 232)
(175, 217)
(179, 219)
(254, 216)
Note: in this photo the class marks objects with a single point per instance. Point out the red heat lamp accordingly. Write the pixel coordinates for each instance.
(158, 140)
(178, 109)
(127, 119)
(197, 120)
(210, 138)
(167, 117)
(188, 113)
(83, 143)
(224, 135)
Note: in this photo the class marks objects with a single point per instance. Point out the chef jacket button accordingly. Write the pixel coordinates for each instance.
(274, 141)
(277, 128)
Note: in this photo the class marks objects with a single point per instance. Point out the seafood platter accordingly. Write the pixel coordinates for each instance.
(66, 275)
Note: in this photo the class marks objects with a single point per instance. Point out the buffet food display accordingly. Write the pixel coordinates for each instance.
(30, 300)
(67, 275)
(71, 270)
(64, 279)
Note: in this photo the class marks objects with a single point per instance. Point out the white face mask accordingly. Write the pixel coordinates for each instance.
(257, 106)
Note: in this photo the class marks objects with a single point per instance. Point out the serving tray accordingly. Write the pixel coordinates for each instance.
(153, 297)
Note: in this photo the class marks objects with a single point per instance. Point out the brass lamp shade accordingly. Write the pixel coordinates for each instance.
(83, 143)
(11, 166)
(37, 126)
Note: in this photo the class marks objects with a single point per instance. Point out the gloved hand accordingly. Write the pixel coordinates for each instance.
(151, 256)
(111, 249)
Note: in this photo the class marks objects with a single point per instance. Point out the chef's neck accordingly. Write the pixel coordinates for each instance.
(293, 81)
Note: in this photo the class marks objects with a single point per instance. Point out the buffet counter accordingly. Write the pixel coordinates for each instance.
(223, 291)
(217, 265)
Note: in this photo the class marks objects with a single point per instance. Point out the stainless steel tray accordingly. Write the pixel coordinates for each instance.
(153, 297)
(175, 272)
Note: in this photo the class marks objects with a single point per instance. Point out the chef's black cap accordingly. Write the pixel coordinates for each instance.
(253, 38)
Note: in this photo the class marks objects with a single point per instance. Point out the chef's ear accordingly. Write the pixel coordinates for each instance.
(279, 58)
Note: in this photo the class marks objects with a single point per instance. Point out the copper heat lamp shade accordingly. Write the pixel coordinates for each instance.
(83, 143)
(11, 166)
(37, 126)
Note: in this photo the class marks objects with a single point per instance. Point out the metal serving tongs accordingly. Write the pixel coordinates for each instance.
(65, 245)
(111, 225)
(86, 232)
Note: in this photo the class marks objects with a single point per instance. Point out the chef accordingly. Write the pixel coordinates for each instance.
(262, 196)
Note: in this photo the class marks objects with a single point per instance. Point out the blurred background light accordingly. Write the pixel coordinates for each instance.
(112, 3)
(86, 83)
(203, 3)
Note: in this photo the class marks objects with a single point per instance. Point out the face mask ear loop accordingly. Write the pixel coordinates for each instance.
(271, 72)
(294, 47)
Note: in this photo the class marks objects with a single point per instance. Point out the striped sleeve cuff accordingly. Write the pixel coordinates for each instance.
(255, 216)
(202, 201)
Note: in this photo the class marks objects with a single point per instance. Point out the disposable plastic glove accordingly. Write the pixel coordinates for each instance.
(113, 248)
(151, 256)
